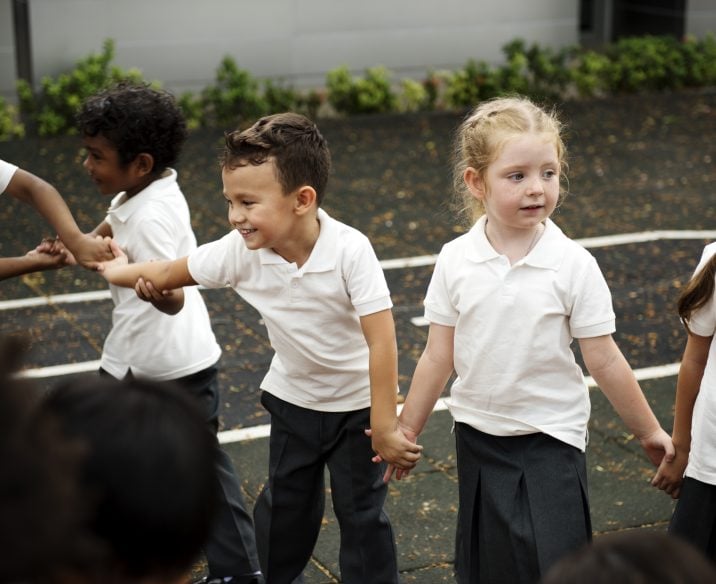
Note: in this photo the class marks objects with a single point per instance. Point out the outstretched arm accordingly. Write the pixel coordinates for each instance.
(388, 442)
(670, 474)
(164, 274)
(31, 189)
(610, 370)
(32, 261)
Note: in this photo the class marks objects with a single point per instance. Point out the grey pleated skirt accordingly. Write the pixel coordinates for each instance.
(523, 504)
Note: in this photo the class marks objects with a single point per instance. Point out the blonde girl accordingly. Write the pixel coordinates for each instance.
(504, 303)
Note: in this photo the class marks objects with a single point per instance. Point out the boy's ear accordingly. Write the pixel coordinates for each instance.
(475, 183)
(305, 199)
(143, 163)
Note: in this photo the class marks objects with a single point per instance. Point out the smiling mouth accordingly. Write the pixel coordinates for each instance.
(246, 231)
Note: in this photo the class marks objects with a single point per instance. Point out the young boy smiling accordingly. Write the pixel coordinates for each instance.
(133, 135)
(323, 297)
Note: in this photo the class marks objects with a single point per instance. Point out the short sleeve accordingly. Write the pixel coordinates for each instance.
(439, 308)
(592, 314)
(211, 264)
(7, 171)
(703, 320)
(364, 279)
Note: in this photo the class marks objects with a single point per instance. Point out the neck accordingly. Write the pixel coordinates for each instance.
(298, 249)
(514, 245)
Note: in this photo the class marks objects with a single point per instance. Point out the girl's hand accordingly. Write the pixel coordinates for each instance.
(670, 474)
(120, 258)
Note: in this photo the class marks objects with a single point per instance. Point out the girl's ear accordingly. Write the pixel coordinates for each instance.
(475, 183)
(305, 199)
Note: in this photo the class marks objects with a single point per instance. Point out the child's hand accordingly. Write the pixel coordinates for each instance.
(55, 247)
(670, 474)
(44, 260)
(167, 301)
(147, 292)
(658, 447)
(91, 250)
(120, 258)
(399, 448)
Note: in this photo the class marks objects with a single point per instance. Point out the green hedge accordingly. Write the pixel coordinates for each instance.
(630, 65)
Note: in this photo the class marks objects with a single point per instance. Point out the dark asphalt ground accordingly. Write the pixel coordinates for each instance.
(637, 163)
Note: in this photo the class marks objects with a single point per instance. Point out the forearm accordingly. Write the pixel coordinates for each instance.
(48, 202)
(158, 273)
(30, 262)
(615, 378)
(429, 381)
(17, 266)
(383, 372)
(688, 385)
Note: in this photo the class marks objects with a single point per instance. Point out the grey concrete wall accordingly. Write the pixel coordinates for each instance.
(700, 17)
(181, 42)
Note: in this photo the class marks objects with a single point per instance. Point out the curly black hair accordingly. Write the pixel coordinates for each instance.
(136, 118)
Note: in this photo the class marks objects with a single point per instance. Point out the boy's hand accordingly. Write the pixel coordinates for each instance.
(398, 448)
(658, 446)
(120, 258)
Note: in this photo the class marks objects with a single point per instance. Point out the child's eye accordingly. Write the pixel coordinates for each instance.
(247, 203)
(550, 173)
(516, 176)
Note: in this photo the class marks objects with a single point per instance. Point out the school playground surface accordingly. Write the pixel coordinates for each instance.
(642, 193)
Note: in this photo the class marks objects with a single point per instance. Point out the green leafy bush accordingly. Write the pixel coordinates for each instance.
(234, 100)
(10, 126)
(475, 82)
(700, 59)
(51, 111)
(590, 72)
(646, 63)
(366, 95)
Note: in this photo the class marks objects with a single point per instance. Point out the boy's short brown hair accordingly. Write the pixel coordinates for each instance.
(298, 149)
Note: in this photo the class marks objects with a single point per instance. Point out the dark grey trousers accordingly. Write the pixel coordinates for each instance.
(289, 511)
(231, 548)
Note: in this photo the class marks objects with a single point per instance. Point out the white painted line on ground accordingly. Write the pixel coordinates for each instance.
(263, 431)
(58, 370)
(392, 264)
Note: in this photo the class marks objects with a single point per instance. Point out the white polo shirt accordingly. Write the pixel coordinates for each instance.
(702, 462)
(7, 171)
(155, 224)
(311, 314)
(516, 373)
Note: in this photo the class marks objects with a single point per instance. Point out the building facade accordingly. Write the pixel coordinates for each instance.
(181, 42)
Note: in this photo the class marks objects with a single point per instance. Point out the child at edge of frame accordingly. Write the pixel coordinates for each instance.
(691, 476)
(504, 303)
(30, 188)
(325, 302)
(133, 135)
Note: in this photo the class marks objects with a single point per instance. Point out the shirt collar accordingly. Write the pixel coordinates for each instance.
(547, 253)
(323, 255)
(122, 208)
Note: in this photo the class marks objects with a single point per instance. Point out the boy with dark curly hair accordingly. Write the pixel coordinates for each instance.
(133, 135)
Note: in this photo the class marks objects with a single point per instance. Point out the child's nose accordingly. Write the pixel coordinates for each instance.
(535, 187)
